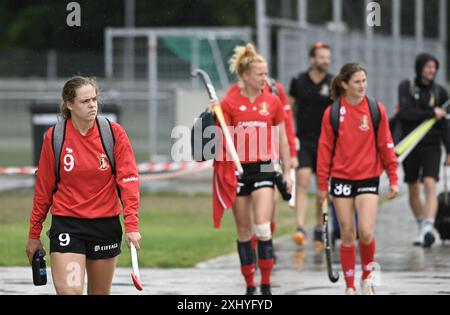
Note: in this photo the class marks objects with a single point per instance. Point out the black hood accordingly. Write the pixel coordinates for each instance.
(421, 60)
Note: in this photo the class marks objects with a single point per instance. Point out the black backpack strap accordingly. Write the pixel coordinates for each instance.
(107, 138)
(58, 136)
(334, 117)
(374, 113)
(335, 114)
(273, 86)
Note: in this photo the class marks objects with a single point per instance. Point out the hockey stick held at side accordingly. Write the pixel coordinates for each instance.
(332, 274)
(404, 147)
(135, 275)
(218, 111)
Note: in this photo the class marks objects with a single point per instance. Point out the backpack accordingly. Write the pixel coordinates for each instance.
(335, 117)
(204, 121)
(106, 137)
(395, 123)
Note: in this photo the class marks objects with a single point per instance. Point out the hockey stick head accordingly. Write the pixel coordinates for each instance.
(333, 276)
(137, 282)
(135, 276)
(208, 83)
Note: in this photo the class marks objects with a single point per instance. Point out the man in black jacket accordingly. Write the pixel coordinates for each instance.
(421, 99)
(310, 95)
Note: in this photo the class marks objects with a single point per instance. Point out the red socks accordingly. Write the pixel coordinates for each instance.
(266, 266)
(248, 271)
(348, 261)
(367, 252)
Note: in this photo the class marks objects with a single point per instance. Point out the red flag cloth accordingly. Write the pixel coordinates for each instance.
(224, 189)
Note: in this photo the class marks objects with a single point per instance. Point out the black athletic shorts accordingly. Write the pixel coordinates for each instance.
(256, 176)
(343, 188)
(96, 238)
(307, 156)
(422, 162)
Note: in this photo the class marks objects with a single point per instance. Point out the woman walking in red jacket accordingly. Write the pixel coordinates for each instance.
(83, 195)
(350, 163)
(255, 114)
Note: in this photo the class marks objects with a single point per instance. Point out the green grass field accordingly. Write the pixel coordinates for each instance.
(176, 230)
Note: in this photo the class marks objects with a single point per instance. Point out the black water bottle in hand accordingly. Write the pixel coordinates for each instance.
(39, 268)
(282, 186)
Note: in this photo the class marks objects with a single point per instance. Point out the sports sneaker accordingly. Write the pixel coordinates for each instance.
(428, 239)
(299, 237)
(318, 239)
(350, 291)
(266, 289)
(250, 291)
(367, 286)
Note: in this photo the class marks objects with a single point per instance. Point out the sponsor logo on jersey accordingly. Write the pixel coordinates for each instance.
(252, 124)
(364, 125)
(243, 108)
(130, 179)
(103, 162)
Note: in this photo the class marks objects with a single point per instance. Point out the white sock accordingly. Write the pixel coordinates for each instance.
(419, 221)
(427, 225)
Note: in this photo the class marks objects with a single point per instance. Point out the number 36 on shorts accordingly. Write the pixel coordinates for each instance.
(340, 189)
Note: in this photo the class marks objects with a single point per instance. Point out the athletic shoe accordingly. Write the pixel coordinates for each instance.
(318, 239)
(367, 286)
(250, 291)
(299, 237)
(428, 239)
(350, 291)
(266, 289)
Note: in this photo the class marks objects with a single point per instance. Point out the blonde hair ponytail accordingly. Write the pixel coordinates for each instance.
(243, 58)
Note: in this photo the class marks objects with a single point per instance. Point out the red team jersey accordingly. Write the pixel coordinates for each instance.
(289, 125)
(260, 116)
(87, 189)
(356, 157)
(265, 112)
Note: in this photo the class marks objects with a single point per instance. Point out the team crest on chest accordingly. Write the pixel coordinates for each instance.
(432, 101)
(364, 125)
(103, 162)
(263, 109)
(324, 90)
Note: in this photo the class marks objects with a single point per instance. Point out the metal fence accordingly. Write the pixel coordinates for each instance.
(16, 96)
(387, 61)
(167, 56)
